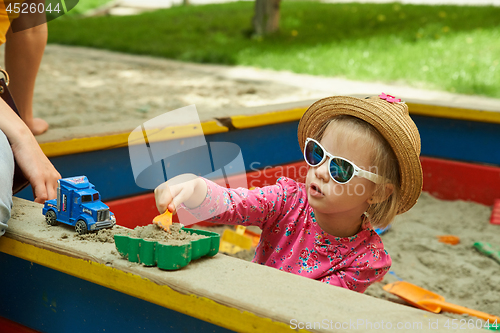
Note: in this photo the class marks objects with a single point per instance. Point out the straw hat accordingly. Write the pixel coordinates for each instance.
(390, 117)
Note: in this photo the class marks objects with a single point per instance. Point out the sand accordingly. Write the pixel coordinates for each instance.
(458, 272)
(82, 87)
(150, 232)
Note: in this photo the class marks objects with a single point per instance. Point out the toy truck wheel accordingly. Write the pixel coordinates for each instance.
(50, 218)
(81, 227)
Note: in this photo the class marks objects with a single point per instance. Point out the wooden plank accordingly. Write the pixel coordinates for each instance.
(448, 112)
(269, 118)
(228, 292)
(416, 108)
(267, 115)
(94, 262)
(110, 141)
(464, 181)
(51, 301)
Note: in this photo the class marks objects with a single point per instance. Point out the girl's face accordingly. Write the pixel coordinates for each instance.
(329, 197)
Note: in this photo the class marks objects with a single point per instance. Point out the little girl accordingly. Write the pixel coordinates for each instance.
(364, 169)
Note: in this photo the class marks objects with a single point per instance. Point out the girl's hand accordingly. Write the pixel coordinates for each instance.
(188, 189)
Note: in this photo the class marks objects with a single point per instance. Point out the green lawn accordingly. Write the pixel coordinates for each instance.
(85, 5)
(449, 48)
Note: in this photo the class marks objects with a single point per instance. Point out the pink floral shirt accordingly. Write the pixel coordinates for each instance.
(291, 239)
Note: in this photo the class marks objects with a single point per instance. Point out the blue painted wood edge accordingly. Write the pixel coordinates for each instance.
(51, 301)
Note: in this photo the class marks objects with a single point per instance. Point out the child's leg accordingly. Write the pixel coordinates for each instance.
(6, 179)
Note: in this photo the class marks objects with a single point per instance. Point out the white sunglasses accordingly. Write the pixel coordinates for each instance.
(341, 170)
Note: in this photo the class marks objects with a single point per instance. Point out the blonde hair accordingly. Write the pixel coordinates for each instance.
(383, 158)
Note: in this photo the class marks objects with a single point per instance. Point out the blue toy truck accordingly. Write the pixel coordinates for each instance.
(78, 204)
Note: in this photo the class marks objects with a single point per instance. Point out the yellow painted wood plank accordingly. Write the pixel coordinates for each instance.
(454, 113)
(415, 109)
(268, 118)
(142, 288)
(81, 145)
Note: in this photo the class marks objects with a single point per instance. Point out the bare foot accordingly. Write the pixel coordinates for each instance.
(38, 126)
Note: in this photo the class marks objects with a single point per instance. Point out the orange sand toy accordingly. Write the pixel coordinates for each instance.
(427, 300)
(164, 220)
(495, 213)
(449, 239)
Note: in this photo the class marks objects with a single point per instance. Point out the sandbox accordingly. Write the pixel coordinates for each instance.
(58, 281)
(221, 291)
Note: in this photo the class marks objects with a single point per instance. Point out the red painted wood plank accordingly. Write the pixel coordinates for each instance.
(444, 179)
(452, 180)
(9, 326)
(134, 211)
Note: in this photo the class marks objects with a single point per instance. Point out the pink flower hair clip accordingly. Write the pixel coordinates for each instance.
(389, 98)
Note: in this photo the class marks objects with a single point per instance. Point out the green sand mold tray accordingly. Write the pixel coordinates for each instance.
(167, 257)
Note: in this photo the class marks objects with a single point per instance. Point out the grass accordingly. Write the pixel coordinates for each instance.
(450, 48)
(84, 5)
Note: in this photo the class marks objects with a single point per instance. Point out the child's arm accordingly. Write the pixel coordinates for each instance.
(218, 204)
(36, 167)
(188, 189)
(261, 207)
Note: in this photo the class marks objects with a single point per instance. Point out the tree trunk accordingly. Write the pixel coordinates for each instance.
(267, 17)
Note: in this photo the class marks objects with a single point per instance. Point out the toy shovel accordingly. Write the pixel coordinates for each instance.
(164, 220)
(427, 300)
